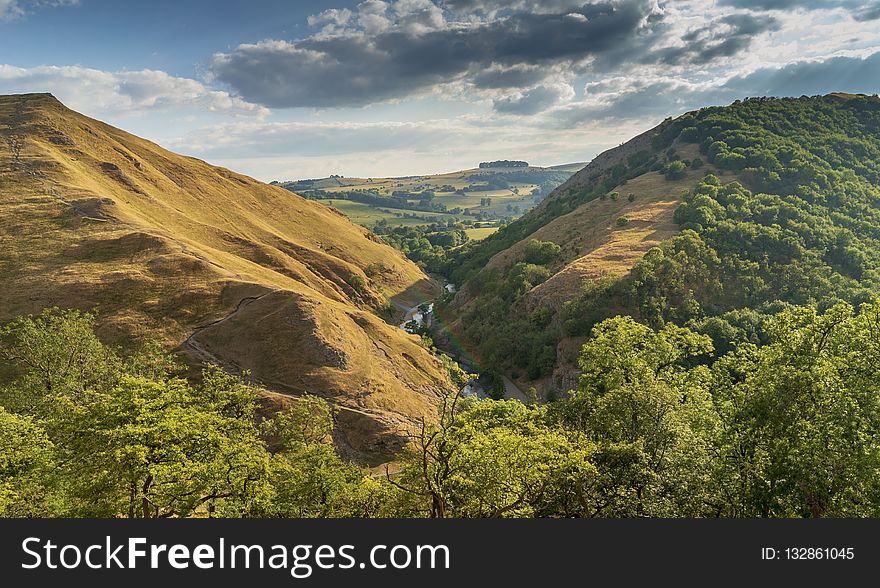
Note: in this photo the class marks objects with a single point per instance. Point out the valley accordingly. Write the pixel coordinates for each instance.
(623, 227)
(651, 339)
(480, 199)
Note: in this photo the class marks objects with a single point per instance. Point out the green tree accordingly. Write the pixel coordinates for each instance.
(494, 459)
(541, 252)
(164, 449)
(128, 439)
(650, 416)
(58, 361)
(800, 417)
(675, 170)
(26, 466)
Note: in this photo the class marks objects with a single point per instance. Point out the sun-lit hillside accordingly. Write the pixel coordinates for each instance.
(216, 264)
(711, 220)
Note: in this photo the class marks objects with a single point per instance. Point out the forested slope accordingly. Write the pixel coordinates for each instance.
(777, 203)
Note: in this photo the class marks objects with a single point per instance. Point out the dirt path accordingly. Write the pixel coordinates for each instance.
(206, 356)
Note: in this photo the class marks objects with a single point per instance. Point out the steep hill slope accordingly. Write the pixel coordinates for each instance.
(223, 267)
(711, 220)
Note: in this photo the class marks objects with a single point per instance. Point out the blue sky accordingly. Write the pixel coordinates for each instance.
(295, 89)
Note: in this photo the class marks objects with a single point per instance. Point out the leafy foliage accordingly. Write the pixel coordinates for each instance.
(541, 252)
(799, 226)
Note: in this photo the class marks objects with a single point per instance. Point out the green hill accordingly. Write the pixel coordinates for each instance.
(714, 220)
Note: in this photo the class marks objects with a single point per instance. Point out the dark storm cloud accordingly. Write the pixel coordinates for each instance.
(354, 69)
(506, 45)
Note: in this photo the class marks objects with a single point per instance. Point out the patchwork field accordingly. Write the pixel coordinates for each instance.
(467, 196)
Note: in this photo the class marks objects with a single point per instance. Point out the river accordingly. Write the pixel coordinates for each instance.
(422, 315)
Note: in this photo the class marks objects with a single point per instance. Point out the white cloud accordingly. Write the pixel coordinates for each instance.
(12, 9)
(372, 17)
(97, 91)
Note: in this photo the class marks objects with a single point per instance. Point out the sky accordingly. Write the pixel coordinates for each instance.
(294, 89)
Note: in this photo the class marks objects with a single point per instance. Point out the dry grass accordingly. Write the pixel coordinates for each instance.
(593, 244)
(163, 245)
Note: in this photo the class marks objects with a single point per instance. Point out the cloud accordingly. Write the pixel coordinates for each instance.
(723, 37)
(535, 100)
(313, 148)
(858, 75)
(868, 12)
(386, 51)
(782, 4)
(623, 98)
(414, 53)
(95, 90)
(12, 9)
(862, 10)
(491, 7)
(316, 138)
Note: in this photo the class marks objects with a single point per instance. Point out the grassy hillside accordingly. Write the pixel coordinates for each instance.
(782, 207)
(216, 264)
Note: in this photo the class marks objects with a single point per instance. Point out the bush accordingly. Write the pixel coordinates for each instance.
(541, 252)
(375, 269)
(675, 170)
(622, 221)
(358, 284)
(631, 197)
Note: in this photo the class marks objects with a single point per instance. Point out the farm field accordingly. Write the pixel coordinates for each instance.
(367, 216)
(487, 194)
(480, 234)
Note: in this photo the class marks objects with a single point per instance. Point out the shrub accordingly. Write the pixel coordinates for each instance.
(622, 221)
(375, 269)
(358, 284)
(541, 252)
(675, 170)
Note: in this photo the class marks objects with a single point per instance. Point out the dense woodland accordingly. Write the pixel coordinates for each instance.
(732, 374)
(660, 426)
(792, 217)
